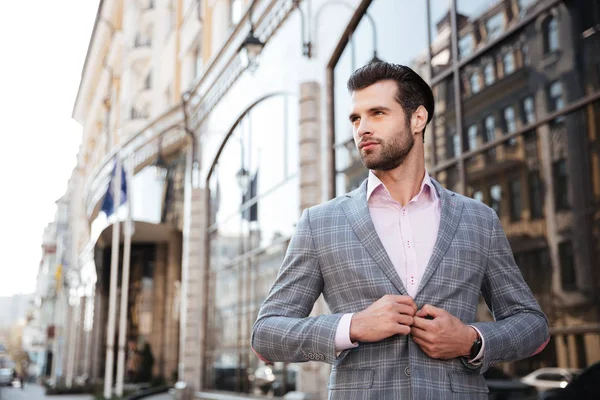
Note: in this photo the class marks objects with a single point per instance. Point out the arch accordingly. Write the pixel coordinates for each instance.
(235, 125)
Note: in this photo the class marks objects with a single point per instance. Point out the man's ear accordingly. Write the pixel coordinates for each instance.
(418, 121)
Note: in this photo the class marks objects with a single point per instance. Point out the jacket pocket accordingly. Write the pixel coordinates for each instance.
(467, 383)
(351, 379)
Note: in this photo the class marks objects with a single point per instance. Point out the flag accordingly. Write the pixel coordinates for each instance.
(108, 203)
(251, 213)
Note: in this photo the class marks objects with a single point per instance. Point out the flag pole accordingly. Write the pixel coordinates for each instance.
(124, 286)
(114, 272)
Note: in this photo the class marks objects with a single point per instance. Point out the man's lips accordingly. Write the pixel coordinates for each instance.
(367, 145)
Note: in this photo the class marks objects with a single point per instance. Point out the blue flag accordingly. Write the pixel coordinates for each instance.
(108, 203)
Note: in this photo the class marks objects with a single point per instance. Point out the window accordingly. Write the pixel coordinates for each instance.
(550, 32)
(472, 137)
(236, 11)
(515, 198)
(478, 195)
(568, 275)
(525, 4)
(466, 45)
(528, 111)
(494, 26)
(536, 199)
(525, 54)
(456, 142)
(490, 129)
(508, 61)
(561, 189)
(496, 197)
(510, 123)
(488, 72)
(474, 79)
(555, 97)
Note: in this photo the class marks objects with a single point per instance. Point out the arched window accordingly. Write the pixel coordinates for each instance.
(550, 34)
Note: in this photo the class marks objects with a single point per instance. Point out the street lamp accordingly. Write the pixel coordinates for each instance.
(243, 179)
(251, 46)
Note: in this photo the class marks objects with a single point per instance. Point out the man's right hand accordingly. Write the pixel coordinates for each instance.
(391, 315)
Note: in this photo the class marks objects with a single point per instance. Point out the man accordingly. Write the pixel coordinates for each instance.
(401, 263)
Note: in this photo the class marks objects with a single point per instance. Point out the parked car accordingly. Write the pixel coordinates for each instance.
(7, 371)
(550, 378)
(269, 378)
(585, 386)
(506, 387)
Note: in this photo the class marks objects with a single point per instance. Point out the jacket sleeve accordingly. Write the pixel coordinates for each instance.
(283, 330)
(520, 328)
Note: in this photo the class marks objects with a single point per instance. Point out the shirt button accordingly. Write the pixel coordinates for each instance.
(407, 371)
(408, 243)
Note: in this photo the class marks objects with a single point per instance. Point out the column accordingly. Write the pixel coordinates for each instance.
(313, 376)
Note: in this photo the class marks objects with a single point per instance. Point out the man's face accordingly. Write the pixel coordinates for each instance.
(382, 133)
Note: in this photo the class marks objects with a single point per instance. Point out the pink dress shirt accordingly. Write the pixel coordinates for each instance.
(408, 235)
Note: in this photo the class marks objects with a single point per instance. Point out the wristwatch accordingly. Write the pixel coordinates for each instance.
(475, 347)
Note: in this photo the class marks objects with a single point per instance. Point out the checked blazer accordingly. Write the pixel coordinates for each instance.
(336, 252)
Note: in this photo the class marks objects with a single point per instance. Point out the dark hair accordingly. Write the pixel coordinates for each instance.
(412, 91)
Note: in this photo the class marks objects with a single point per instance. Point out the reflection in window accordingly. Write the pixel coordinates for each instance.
(550, 32)
(515, 198)
(488, 71)
(466, 45)
(508, 61)
(494, 26)
(555, 97)
(474, 79)
(535, 195)
(561, 189)
(472, 133)
(528, 111)
(495, 197)
(568, 275)
(490, 129)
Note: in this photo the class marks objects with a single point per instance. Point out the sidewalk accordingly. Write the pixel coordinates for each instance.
(36, 392)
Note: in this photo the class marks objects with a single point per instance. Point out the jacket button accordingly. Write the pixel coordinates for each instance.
(407, 371)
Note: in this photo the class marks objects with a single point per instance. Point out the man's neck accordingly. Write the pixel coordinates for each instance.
(403, 182)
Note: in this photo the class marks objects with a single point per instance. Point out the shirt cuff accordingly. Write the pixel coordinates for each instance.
(342, 334)
(479, 356)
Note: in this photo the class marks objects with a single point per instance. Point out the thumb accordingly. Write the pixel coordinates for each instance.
(430, 310)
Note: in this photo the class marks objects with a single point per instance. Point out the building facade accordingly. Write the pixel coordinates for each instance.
(245, 137)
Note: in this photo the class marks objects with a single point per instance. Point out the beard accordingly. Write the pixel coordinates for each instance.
(389, 154)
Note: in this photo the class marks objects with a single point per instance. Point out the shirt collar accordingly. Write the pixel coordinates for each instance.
(373, 183)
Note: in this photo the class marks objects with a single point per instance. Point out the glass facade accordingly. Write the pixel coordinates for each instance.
(523, 139)
(254, 205)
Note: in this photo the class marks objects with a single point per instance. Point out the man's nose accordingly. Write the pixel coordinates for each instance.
(364, 128)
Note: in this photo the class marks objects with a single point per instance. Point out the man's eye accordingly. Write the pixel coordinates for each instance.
(378, 112)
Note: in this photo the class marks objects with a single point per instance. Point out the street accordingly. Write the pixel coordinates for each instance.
(35, 392)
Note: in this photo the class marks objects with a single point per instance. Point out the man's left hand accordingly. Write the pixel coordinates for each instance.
(441, 335)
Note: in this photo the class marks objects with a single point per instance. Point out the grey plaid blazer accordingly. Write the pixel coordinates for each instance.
(337, 252)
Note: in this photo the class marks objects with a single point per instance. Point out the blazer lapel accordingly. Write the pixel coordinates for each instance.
(451, 208)
(357, 212)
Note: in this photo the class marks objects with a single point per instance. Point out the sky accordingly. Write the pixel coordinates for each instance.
(43, 46)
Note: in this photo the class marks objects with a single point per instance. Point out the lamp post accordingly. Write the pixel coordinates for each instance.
(251, 46)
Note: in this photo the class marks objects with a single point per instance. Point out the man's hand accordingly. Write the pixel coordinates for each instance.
(388, 316)
(441, 335)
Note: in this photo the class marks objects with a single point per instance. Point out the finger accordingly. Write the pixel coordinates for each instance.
(428, 309)
(407, 300)
(422, 323)
(404, 309)
(420, 334)
(404, 319)
(402, 329)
